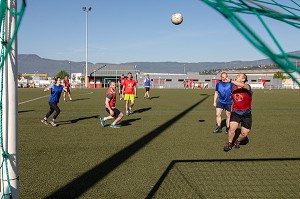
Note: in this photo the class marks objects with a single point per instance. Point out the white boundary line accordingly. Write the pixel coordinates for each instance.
(33, 99)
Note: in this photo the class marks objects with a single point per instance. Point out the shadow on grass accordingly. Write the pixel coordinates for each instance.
(172, 165)
(84, 182)
(128, 122)
(25, 111)
(74, 100)
(76, 120)
(142, 110)
(154, 97)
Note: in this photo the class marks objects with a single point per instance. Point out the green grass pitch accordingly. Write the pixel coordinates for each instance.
(82, 159)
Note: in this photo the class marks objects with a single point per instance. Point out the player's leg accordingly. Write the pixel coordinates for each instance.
(218, 119)
(64, 95)
(234, 122)
(246, 124)
(228, 112)
(69, 93)
(131, 103)
(118, 115)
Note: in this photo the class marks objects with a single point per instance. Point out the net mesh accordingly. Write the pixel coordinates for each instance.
(231, 179)
(285, 11)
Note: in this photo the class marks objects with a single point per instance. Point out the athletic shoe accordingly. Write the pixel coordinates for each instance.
(53, 123)
(102, 121)
(218, 130)
(64, 99)
(127, 113)
(44, 121)
(130, 110)
(70, 99)
(228, 147)
(115, 126)
(237, 144)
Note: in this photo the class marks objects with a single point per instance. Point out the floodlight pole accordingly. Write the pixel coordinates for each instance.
(86, 10)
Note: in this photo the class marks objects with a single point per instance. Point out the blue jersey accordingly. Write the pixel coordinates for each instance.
(225, 90)
(147, 82)
(55, 93)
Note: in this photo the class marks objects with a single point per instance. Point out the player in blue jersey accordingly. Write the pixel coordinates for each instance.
(55, 90)
(223, 101)
(147, 85)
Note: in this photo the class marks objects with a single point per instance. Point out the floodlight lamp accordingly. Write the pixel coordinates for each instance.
(84, 8)
(90, 8)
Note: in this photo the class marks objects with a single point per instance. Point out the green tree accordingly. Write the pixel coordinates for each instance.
(61, 74)
(279, 75)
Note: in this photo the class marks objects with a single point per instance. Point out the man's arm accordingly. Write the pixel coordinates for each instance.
(215, 98)
(107, 100)
(240, 84)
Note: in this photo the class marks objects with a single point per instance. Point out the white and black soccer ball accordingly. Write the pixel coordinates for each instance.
(177, 18)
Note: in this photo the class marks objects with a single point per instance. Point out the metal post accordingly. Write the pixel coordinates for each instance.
(86, 10)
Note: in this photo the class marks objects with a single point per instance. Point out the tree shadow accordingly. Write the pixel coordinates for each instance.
(25, 111)
(142, 110)
(128, 122)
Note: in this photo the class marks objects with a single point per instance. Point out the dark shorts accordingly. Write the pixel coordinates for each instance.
(245, 120)
(115, 110)
(226, 107)
(147, 88)
(68, 90)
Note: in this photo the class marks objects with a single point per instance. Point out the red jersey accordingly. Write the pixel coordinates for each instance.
(121, 81)
(129, 86)
(242, 99)
(110, 94)
(67, 84)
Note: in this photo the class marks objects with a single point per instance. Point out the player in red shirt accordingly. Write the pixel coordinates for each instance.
(129, 93)
(241, 111)
(67, 86)
(110, 103)
(120, 84)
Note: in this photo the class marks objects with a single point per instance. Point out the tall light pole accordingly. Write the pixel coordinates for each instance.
(70, 68)
(86, 10)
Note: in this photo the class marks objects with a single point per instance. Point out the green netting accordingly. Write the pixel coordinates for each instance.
(7, 40)
(288, 11)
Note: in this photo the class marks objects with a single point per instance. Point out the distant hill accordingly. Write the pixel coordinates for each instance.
(31, 63)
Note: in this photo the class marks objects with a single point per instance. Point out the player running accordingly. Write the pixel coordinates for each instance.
(147, 85)
(56, 90)
(110, 102)
(120, 84)
(129, 93)
(67, 86)
(241, 111)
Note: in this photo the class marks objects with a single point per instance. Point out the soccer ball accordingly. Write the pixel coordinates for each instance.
(177, 18)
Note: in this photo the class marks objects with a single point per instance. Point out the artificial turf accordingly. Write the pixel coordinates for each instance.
(81, 159)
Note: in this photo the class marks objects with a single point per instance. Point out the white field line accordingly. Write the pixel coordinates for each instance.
(33, 99)
(47, 96)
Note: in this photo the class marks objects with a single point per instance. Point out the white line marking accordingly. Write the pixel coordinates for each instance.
(33, 99)
(86, 93)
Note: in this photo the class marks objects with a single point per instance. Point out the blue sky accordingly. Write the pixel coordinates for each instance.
(138, 31)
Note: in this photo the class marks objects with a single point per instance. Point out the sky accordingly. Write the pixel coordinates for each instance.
(121, 31)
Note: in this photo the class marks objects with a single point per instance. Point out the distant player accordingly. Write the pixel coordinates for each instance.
(147, 85)
(129, 93)
(67, 86)
(56, 90)
(223, 101)
(241, 111)
(120, 85)
(110, 102)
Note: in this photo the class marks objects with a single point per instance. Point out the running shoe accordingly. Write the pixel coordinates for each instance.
(102, 121)
(115, 126)
(228, 147)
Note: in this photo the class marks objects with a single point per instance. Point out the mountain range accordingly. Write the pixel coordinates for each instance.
(31, 63)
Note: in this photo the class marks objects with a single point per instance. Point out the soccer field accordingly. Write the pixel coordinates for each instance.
(81, 159)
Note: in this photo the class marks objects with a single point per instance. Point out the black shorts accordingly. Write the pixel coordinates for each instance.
(226, 107)
(147, 88)
(115, 110)
(245, 120)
